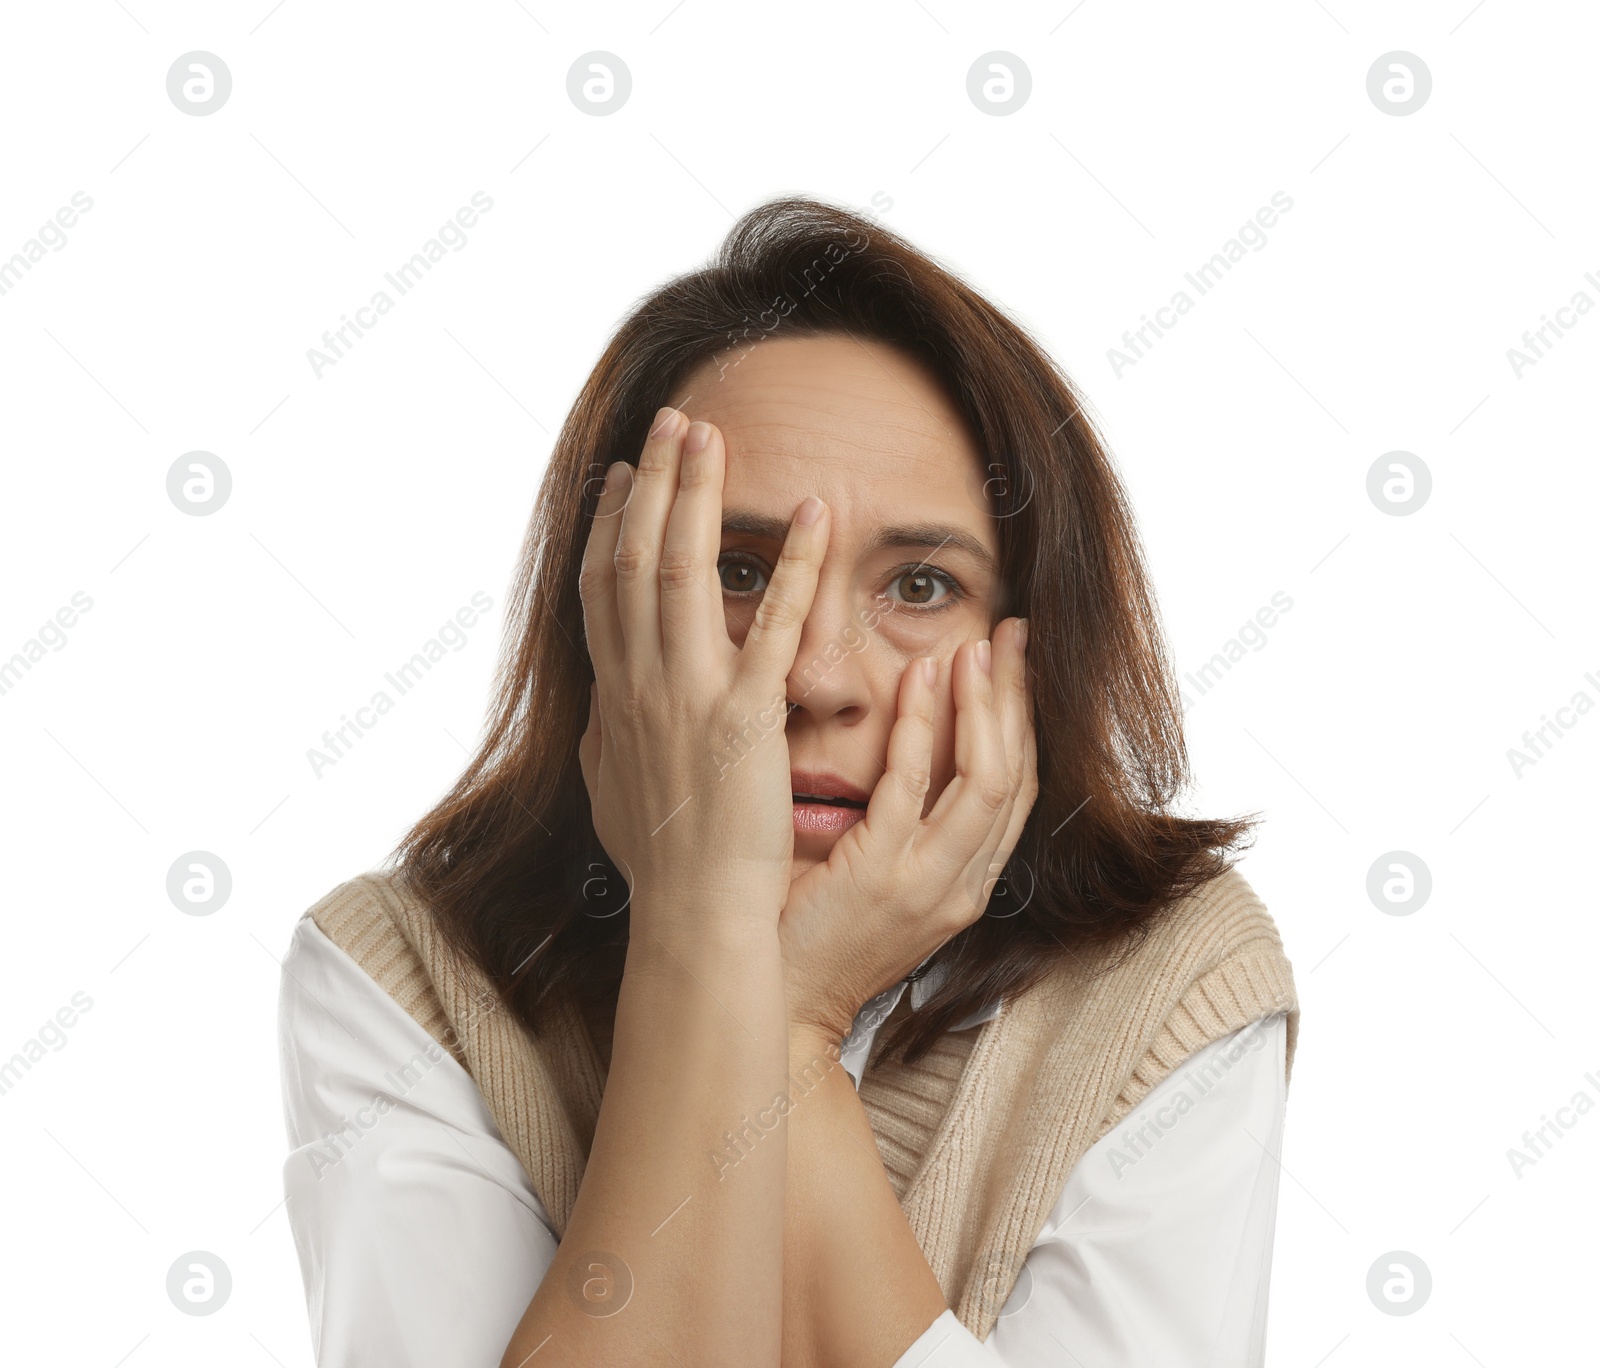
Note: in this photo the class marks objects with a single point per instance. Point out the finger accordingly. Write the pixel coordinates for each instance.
(1010, 695)
(602, 628)
(1012, 710)
(1013, 685)
(693, 624)
(895, 808)
(976, 799)
(773, 640)
(638, 555)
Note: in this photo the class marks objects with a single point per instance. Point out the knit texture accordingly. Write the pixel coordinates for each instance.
(977, 1137)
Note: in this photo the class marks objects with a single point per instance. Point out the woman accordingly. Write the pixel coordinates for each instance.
(617, 1065)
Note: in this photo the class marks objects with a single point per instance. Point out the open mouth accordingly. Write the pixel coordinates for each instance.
(830, 802)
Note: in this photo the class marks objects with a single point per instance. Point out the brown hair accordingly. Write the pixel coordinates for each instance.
(509, 861)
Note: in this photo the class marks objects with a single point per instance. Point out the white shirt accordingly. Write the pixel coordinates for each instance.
(421, 1240)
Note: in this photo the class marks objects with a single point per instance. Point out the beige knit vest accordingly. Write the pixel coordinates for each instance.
(977, 1138)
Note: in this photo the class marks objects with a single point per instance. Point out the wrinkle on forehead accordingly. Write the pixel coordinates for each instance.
(838, 401)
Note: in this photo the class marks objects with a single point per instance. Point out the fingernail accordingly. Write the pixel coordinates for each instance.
(665, 418)
(1022, 633)
(615, 476)
(983, 657)
(930, 671)
(810, 511)
(699, 435)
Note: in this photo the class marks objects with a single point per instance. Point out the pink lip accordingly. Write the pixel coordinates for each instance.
(822, 784)
(824, 819)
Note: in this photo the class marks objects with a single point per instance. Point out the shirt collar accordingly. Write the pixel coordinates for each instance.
(875, 1011)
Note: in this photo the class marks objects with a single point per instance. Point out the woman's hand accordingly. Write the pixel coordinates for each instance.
(897, 885)
(685, 757)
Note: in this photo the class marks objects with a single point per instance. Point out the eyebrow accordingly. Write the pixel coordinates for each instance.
(935, 535)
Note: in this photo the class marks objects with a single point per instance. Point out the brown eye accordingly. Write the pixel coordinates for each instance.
(923, 589)
(740, 576)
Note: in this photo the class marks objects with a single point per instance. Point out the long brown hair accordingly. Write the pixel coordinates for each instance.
(509, 861)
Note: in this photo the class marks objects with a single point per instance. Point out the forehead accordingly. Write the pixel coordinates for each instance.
(856, 422)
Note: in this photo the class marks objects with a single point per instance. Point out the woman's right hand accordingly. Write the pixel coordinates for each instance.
(685, 757)
(897, 885)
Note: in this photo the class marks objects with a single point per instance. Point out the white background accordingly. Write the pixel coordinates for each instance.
(369, 504)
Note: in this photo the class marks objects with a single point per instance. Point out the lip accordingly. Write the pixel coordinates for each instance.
(824, 819)
(821, 784)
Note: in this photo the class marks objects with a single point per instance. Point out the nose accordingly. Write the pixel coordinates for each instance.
(828, 678)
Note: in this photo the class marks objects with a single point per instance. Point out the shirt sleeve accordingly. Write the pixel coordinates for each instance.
(1159, 1252)
(420, 1238)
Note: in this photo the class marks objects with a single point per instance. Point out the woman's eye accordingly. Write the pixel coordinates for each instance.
(920, 588)
(741, 576)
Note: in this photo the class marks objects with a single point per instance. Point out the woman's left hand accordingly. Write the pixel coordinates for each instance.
(897, 885)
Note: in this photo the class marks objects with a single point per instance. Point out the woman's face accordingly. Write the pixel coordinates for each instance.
(912, 562)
